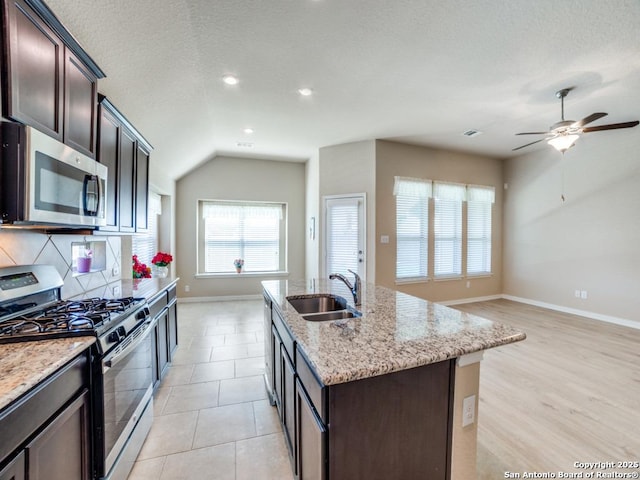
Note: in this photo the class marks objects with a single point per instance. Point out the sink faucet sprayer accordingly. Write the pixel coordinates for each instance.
(356, 288)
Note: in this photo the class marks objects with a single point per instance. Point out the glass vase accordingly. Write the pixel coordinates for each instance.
(160, 271)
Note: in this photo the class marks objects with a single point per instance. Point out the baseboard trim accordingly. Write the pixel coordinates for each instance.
(220, 298)
(574, 311)
(471, 300)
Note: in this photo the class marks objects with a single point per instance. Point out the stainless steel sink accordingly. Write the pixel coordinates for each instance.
(317, 303)
(326, 316)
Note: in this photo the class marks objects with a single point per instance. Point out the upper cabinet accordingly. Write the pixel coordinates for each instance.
(126, 153)
(50, 81)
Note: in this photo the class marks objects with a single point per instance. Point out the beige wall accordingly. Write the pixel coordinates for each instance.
(346, 169)
(588, 242)
(230, 178)
(422, 162)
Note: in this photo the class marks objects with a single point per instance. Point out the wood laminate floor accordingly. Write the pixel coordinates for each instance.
(569, 393)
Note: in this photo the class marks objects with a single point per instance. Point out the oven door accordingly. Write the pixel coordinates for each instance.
(65, 186)
(127, 390)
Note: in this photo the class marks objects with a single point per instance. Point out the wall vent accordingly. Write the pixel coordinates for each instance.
(472, 133)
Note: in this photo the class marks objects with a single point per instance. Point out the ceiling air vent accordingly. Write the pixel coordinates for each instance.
(472, 133)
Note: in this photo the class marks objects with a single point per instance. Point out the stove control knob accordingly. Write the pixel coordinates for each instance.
(113, 337)
(122, 332)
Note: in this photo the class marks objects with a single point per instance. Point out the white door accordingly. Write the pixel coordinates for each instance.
(344, 237)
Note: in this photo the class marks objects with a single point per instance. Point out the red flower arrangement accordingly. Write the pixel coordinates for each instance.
(140, 270)
(162, 259)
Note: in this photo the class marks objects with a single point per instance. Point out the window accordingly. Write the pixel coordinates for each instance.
(447, 229)
(479, 205)
(145, 246)
(412, 227)
(252, 231)
(417, 226)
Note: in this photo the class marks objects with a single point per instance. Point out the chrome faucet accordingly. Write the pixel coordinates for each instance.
(356, 288)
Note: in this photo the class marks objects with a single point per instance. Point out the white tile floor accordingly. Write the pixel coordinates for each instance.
(212, 418)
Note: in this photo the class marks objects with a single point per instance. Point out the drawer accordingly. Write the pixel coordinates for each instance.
(314, 387)
(285, 336)
(157, 304)
(171, 294)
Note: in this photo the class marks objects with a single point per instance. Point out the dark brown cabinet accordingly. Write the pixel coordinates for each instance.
(288, 400)
(15, 470)
(126, 182)
(61, 451)
(108, 154)
(51, 82)
(173, 322)
(126, 154)
(164, 337)
(142, 188)
(311, 439)
(80, 105)
(46, 434)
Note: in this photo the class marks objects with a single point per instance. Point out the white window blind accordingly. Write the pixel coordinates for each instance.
(447, 228)
(412, 227)
(145, 246)
(250, 231)
(342, 235)
(479, 205)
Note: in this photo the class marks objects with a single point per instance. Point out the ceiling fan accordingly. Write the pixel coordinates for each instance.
(563, 134)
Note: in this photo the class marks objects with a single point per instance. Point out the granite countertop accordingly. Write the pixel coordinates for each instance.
(24, 365)
(396, 331)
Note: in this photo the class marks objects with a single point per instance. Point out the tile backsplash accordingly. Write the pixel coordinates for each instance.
(21, 247)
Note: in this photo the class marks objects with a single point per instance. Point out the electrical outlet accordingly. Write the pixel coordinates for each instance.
(115, 271)
(577, 293)
(583, 294)
(384, 238)
(187, 288)
(468, 410)
(468, 283)
(116, 291)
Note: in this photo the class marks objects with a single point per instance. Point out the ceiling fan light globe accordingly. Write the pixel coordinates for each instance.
(563, 142)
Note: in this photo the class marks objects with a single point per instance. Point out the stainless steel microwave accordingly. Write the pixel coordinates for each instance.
(43, 181)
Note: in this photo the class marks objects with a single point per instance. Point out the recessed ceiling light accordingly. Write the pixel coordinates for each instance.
(248, 130)
(230, 79)
(305, 92)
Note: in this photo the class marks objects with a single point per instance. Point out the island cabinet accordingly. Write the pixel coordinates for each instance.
(126, 154)
(396, 425)
(46, 434)
(50, 81)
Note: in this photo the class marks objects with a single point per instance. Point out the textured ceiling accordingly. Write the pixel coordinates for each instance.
(419, 71)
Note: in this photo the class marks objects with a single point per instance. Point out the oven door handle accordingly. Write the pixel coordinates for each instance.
(119, 353)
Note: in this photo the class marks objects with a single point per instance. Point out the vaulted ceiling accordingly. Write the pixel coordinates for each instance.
(417, 71)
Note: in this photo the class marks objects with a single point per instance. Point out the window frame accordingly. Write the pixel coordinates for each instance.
(201, 252)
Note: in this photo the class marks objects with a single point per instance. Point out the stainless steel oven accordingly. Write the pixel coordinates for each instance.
(43, 181)
(126, 382)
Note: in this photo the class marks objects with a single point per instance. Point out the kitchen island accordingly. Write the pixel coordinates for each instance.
(379, 395)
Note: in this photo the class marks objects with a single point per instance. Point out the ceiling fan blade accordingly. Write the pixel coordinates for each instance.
(533, 133)
(611, 126)
(591, 118)
(537, 141)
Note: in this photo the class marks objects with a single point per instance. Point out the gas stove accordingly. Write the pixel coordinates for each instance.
(31, 309)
